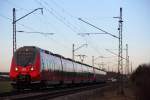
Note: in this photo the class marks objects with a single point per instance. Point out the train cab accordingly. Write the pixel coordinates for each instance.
(25, 65)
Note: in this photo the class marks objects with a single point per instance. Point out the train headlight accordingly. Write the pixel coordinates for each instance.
(32, 68)
(16, 68)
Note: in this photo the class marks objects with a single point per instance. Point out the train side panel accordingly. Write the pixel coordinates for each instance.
(51, 68)
(100, 76)
(68, 71)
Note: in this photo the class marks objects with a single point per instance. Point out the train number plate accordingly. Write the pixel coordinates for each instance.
(23, 69)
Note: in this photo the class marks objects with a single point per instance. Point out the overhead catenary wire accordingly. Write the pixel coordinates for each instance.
(5, 17)
(95, 48)
(63, 19)
(58, 15)
(55, 14)
(31, 29)
(69, 15)
(13, 4)
(25, 26)
(64, 11)
(21, 8)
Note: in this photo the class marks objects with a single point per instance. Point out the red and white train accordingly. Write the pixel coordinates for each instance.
(32, 66)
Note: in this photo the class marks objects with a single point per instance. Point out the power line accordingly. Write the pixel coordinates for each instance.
(105, 32)
(59, 18)
(13, 4)
(16, 20)
(5, 17)
(63, 10)
(95, 48)
(51, 13)
(67, 13)
(54, 13)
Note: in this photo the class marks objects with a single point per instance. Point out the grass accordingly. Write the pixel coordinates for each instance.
(112, 94)
(5, 86)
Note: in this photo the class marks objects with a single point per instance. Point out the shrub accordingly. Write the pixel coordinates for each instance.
(141, 81)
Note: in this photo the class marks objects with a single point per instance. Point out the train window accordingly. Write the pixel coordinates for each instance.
(47, 63)
(64, 65)
(25, 56)
(90, 69)
(50, 61)
(83, 69)
(87, 69)
(74, 66)
(44, 59)
(67, 65)
(78, 67)
(53, 66)
(57, 63)
(70, 66)
(42, 64)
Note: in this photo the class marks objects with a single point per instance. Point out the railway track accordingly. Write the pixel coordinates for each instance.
(48, 93)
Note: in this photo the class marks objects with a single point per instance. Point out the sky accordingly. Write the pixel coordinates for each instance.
(61, 17)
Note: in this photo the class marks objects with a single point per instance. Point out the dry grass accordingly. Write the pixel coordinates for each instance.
(98, 94)
(112, 94)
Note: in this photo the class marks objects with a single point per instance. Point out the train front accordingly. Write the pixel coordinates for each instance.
(25, 66)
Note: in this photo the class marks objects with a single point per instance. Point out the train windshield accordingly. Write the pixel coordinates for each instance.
(25, 56)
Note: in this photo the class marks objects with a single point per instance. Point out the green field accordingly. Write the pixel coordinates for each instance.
(5, 86)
